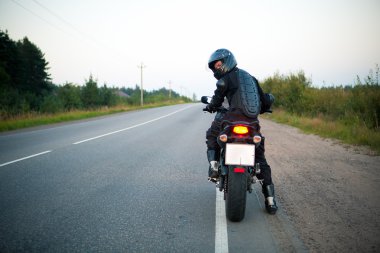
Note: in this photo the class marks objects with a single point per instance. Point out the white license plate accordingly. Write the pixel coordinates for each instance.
(240, 154)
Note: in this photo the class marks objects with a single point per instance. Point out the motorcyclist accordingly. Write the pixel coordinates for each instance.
(246, 101)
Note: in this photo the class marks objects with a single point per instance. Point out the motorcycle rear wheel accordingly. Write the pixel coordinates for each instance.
(236, 196)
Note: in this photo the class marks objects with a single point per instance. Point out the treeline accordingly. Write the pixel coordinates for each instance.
(25, 85)
(155, 96)
(24, 79)
(354, 104)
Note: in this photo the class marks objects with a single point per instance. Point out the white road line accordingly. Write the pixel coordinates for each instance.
(24, 158)
(125, 129)
(257, 197)
(221, 236)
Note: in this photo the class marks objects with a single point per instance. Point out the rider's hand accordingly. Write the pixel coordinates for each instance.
(209, 109)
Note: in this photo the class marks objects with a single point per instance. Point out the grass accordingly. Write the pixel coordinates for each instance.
(38, 119)
(348, 132)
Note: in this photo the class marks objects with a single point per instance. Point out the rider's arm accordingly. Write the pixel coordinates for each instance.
(219, 94)
(266, 99)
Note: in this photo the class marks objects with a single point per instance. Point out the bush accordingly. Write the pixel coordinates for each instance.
(288, 90)
(70, 96)
(359, 103)
(51, 104)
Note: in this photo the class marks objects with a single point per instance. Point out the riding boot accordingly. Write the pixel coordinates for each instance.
(270, 202)
(213, 157)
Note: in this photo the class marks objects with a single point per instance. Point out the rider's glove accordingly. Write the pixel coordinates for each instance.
(209, 109)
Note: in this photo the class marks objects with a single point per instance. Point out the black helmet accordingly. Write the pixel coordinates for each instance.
(228, 60)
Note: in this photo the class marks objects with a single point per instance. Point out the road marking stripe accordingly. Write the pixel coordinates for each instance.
(125, 129)
(221, 236)
(257, 197)
(24, 158)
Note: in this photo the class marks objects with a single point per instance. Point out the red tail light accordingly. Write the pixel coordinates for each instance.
(240, 129)
(239, 170)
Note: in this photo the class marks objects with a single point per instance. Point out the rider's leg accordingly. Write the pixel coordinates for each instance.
(213, 149)
(266, 176)
(213, 157)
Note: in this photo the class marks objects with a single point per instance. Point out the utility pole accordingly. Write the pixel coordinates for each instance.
(141, 66)
(170, 89)
(181, 87)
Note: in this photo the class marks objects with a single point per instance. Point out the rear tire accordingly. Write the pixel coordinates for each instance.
(236, 196)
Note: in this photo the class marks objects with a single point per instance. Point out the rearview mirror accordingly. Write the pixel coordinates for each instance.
(205, 99)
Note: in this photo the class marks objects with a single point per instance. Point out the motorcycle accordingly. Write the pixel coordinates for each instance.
(237, 169)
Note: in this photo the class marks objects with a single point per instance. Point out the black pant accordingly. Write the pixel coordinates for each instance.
(212, 144)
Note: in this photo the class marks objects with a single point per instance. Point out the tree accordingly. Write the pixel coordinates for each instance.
(32, 76)
(90, 94)
(10, 100)
(70, 96)
(107, 96)
(23, 75)
(8, 60)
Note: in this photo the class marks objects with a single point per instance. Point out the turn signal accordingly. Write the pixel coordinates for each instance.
(256, 138)
(240, 129)
(223, 138)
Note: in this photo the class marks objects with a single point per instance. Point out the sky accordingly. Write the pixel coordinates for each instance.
(331, 41)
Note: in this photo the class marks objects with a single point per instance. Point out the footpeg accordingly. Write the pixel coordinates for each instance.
(212, 180)
(255, 180)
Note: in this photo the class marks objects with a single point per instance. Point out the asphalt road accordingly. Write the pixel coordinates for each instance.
(131, 182)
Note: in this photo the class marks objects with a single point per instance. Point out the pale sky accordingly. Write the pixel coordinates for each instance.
(332, 41)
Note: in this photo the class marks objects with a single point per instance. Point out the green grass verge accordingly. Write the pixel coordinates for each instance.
(348, 132)
(38, 119)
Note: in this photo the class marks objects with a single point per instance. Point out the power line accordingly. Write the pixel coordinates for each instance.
(35, 14)
(82, 34)
(73, 31)
(57, 16)
(115, 52)
(67, 23)
(119, 54)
